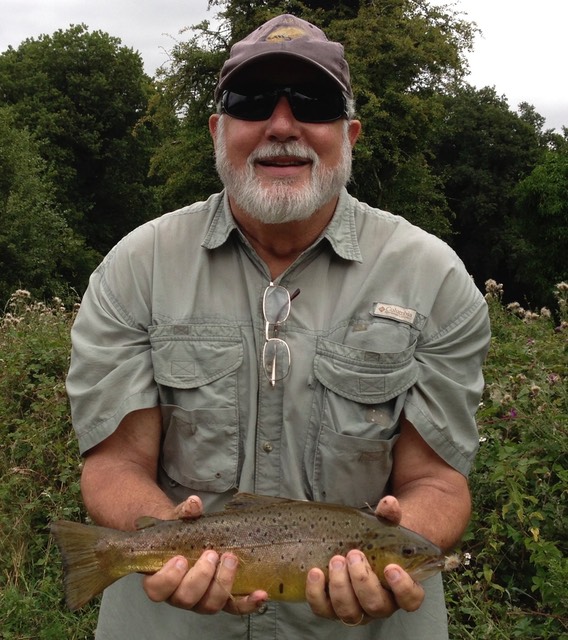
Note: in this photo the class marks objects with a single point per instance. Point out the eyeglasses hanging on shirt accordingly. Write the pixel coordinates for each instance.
(276, 305)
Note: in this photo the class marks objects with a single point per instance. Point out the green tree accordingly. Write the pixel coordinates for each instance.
(38, 250)
(482, 151)
(83, 95)
(538, 237)
(183, 164)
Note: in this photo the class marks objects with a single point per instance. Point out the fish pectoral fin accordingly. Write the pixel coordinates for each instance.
(147, 521)
(248, 500)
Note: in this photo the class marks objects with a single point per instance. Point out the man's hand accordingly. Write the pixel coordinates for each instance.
(355, 594)
(205, 587)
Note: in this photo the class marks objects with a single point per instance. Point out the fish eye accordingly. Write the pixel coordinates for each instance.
(408, 551)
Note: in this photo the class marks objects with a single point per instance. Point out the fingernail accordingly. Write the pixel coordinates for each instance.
(212, 557)
(181, 564)
(313, 576)
(337, 564)
(392, 575)
(230, 562)
(355, 558)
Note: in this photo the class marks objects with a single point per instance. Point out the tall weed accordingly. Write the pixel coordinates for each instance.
(516, 585)
(39, 471)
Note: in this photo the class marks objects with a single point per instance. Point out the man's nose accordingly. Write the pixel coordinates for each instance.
(282, 125)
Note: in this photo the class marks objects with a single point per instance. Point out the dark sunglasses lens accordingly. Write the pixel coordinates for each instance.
(307, 106)
(316, 107)
(246, 106)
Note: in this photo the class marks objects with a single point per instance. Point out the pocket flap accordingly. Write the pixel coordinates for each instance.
(189, 356)
(364, 376)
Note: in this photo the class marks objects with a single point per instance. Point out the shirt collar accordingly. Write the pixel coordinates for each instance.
(341, 232)
(222, 222)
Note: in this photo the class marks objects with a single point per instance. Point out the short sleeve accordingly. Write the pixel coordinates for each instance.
(111, 372)
(450, 354)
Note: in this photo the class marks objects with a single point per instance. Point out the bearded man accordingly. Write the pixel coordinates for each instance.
(196, 373)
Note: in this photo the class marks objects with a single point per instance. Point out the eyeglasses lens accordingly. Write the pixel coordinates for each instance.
(276, 304)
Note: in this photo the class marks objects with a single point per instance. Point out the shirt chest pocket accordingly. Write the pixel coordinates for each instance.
(355, 419)
(196, 369)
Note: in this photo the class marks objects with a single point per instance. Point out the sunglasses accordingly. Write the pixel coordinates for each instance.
(308, 104)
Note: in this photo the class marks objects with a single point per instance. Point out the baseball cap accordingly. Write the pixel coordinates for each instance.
(291, 37)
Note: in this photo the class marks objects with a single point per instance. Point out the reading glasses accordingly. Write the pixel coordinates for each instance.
(276, 305)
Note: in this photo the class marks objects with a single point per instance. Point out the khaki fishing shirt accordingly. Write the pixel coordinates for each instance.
(387, 320)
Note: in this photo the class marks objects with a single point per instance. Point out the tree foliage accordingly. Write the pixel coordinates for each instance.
(453, 159)
(38, 249)
(538, 236)
(481, 151)
(82, 95)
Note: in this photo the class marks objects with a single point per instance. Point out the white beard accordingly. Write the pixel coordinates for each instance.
(282, 201)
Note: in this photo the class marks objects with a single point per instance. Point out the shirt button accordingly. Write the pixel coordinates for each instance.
(267, 446)
(262, 609)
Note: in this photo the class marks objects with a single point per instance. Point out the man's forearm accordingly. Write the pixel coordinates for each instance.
(119, 480)
(439, 511)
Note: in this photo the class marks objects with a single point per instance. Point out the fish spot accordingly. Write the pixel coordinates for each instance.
(281, 587)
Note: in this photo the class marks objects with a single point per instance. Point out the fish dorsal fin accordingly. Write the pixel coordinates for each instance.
(147, 521)
(254, 500)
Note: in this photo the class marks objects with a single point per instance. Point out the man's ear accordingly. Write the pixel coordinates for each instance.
(213, 123)
(354, 131)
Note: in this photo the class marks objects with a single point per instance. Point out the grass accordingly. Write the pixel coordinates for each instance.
(516, 582)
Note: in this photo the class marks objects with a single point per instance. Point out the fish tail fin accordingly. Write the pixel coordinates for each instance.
(84, 575)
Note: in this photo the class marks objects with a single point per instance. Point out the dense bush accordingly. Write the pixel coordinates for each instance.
(515, 584)
(39, 471)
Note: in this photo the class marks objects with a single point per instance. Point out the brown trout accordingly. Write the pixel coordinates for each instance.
(276, 540)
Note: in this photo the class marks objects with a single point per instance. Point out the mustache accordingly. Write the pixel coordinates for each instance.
(276, 149)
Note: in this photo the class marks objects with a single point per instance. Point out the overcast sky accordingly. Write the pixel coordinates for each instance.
(522, 53)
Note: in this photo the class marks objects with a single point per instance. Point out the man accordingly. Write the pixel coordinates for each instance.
(284, 339)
